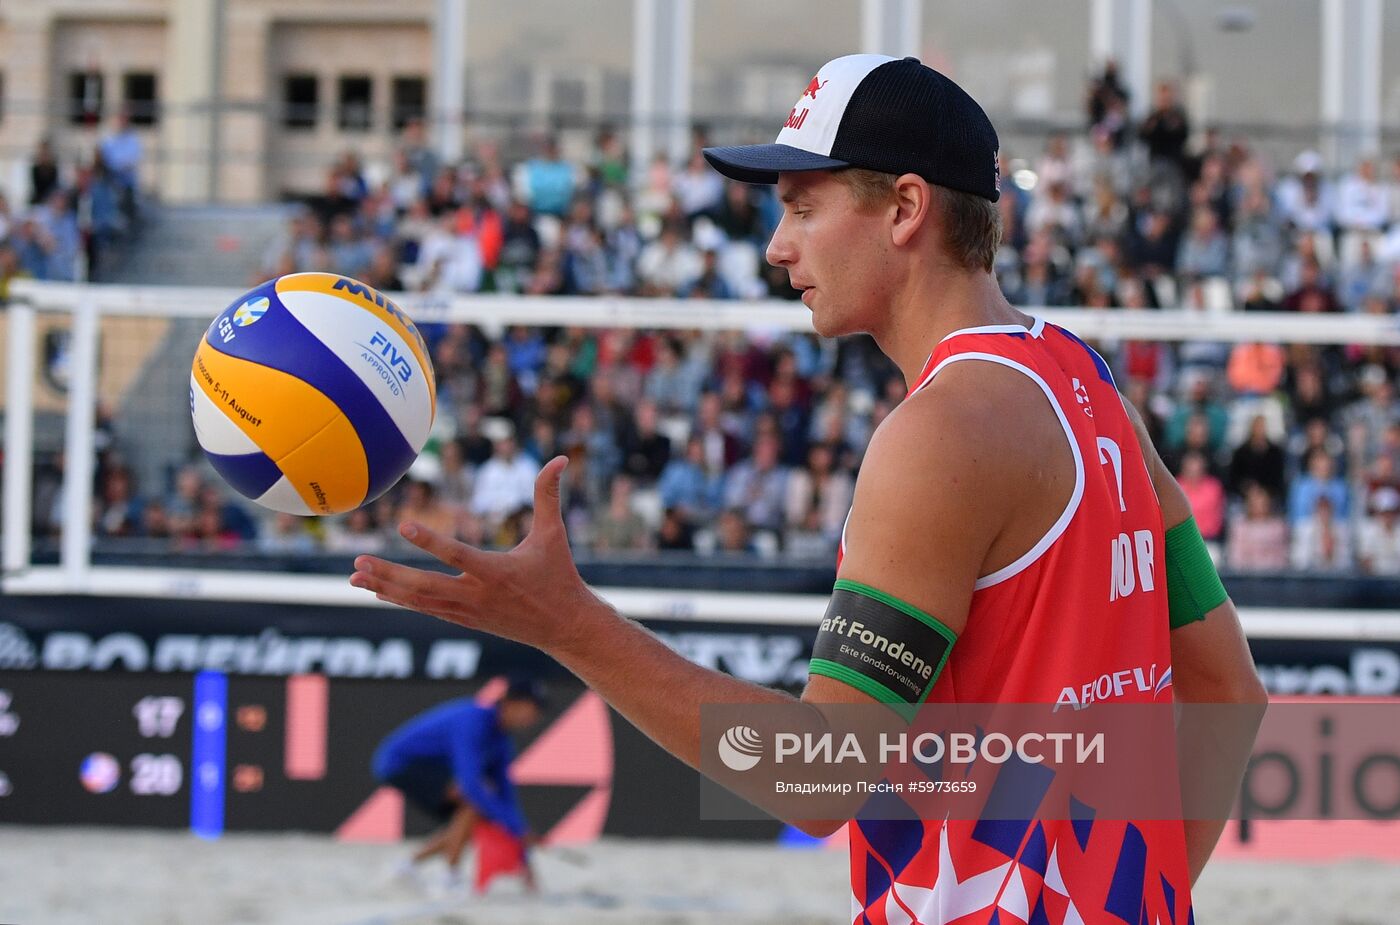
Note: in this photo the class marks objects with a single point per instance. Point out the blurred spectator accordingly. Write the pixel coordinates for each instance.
(119, 510)
(645, 451)
(1258, 462)
(1364, 277)
(676, 533)
(546, 182)
(1319, 481)
(1312, 295)
(1255, 369)
(1378, 548)
(287, 535)
(732, 535)
(1320, 540)
(1362, 201)
(757, 487)
(1197, 400)
(699, 189)
(449, 261)
(355, 533)
(819, 495)
(1166, 128)
(1304, 198)
(1374, 413)
(1107, 101)
(1258, 537)
(619, 527)
(505, 483)
(1257, 242)
(1205, 494)
(155, 523)
(121, 153)
(1204, 252)
(669, 263)
(688, 487)
(43, 172)
(421, 504)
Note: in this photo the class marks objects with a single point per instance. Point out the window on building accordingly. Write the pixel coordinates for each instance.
(410, 100)
(301, 101)
(85, 97)
(139, 97)
(355, 103)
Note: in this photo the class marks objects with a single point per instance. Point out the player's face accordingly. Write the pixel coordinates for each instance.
(833, 251)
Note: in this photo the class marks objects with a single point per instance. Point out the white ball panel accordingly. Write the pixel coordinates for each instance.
(375, 353)
(214, 429)
(283, 497)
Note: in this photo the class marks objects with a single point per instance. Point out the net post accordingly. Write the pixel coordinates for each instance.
(75, 554)
(19, 435)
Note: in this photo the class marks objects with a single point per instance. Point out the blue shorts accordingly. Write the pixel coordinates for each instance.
(425, 783)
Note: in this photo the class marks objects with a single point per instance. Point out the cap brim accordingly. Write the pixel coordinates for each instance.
(763, 163)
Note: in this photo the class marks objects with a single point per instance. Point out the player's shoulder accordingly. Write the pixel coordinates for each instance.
(973, 407)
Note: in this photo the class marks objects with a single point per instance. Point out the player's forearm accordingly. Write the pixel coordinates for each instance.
(1222, 703)
(1202, 835)
(657, 690)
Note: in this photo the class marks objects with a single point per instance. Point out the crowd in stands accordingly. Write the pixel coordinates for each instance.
(731, 443)
(75, 211)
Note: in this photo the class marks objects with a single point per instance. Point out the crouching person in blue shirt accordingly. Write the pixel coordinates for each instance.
(453, 762)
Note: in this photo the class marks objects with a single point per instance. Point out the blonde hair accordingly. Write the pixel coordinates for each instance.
(971, 226)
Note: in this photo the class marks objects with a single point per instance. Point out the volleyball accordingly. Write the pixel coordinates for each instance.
(312, 394)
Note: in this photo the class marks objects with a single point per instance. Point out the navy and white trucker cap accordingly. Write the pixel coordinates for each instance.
(894, 115)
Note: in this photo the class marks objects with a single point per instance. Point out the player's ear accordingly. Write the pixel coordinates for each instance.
(913, 201)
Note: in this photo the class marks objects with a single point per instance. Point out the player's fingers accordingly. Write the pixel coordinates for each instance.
(371, 570)
(451, 611)
(547, 487)
(442, 547)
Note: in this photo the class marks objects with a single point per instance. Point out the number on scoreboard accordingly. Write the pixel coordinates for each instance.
(157, 717)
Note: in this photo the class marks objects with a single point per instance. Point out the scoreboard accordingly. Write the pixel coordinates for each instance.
(212, 751)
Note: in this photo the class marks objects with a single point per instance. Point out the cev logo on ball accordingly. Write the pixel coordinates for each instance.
(250, 311)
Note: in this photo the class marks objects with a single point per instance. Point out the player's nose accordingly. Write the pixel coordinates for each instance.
(781, 251)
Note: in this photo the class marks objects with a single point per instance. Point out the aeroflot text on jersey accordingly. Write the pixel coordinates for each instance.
(1113, 685)
(931, 748)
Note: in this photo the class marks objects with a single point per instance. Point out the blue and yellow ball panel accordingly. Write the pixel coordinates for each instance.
(249, 474)
(282, 416)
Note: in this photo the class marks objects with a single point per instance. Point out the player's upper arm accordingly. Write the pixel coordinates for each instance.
(924, 515)
(1175, 507)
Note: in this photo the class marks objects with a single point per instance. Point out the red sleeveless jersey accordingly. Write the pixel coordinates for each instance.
(1024, 644)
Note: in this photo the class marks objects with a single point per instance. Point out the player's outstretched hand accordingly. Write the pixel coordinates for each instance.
(532, 594)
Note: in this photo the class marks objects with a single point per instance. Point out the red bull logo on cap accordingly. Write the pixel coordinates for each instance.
(812, 87)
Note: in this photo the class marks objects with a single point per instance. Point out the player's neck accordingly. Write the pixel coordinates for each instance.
(931, 307)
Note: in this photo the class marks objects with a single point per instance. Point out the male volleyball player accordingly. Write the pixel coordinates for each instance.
(453, 762)
(987, 514)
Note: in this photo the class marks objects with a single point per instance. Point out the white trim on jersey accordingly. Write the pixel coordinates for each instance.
(1060, 525)
(1035, 330)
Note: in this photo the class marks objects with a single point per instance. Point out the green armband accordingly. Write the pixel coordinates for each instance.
(881, 645)
(1193, 587)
